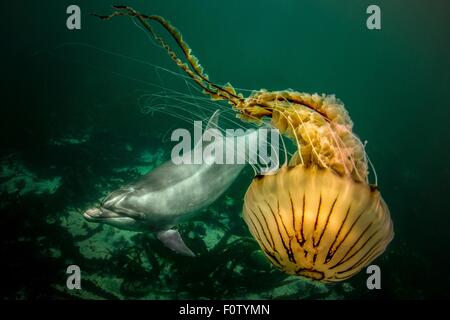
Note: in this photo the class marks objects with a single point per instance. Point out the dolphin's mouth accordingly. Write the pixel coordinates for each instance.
(98, 214)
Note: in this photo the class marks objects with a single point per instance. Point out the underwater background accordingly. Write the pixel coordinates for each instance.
(85, 111)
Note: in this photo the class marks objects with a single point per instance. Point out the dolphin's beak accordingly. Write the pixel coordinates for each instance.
(96, 214)
(91, 214)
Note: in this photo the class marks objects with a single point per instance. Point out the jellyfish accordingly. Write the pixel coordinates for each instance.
(318, 216)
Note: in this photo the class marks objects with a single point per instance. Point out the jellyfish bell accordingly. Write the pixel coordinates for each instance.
(317, 216)
(315, 223)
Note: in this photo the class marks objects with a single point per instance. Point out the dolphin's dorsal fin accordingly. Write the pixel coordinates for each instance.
(213, 123)
(172, 240)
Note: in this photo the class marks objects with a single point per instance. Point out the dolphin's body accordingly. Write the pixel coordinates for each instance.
(169, 195)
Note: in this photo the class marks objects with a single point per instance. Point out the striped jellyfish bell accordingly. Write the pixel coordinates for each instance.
(315, 223)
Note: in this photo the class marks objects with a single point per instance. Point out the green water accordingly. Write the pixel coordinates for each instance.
(73, 129)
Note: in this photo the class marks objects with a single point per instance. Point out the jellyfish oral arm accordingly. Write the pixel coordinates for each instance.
(192, 68)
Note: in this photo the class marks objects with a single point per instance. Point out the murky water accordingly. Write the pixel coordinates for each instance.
(87, 111)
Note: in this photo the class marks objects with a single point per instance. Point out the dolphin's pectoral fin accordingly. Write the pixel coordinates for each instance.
(172, 240)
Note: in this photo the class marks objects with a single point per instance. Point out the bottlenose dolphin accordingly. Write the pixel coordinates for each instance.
(170, 194)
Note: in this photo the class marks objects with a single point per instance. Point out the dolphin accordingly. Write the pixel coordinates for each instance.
(171, 194)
